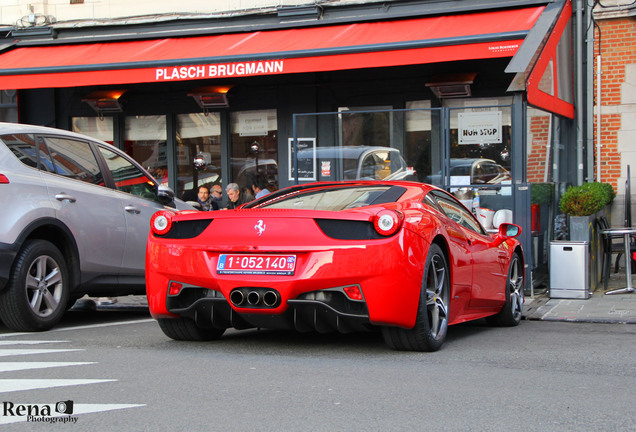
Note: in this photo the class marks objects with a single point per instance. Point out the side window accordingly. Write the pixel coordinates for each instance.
(25, 148)
(74, 159)
(369, 167)
(458, 213)
(430, 201)
(128, 178)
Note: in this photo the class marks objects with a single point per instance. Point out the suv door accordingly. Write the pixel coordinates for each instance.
(139, 198)
(90, 210)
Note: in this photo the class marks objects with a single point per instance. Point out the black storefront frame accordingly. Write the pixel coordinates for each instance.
(520, 200)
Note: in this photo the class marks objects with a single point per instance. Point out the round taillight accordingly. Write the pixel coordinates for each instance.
(161, 222)
(387, 222)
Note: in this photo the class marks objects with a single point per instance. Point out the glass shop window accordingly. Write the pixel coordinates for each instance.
(481, 158)
(198, 153)
(255, 148)
(423, 140)
(145, 140)
(95, 127)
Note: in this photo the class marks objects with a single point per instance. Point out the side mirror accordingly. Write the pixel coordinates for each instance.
(509, 230)
(506, 231)
(165, 195)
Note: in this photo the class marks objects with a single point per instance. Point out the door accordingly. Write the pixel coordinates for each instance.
(485, 271)
(137, 195)
(92, 211)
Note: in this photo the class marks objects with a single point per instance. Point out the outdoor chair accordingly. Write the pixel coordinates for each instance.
(616, 245)
(611, 246)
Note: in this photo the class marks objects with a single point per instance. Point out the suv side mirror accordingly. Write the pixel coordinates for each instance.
(165, 195)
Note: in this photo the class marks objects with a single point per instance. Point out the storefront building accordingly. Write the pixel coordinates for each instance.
(475, 96)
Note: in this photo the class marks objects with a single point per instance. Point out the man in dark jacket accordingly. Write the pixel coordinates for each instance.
(204, 199)
(235, 197)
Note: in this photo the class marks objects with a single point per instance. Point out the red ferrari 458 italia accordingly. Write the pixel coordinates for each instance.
(403, 257)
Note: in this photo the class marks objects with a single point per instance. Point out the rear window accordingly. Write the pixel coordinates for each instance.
(333, 199)
(24, 147)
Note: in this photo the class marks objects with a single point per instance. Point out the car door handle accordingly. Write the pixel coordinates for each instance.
(65, 197)
(132, 209)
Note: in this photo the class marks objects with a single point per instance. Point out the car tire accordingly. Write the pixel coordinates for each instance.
(185, 329)
(37, 293)
(510, 313)
(431, 322)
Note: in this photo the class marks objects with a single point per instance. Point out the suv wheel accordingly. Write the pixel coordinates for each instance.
(38, 290)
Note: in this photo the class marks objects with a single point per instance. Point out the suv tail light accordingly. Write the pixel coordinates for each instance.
(161, 222)
(4, 179)
(388, 222)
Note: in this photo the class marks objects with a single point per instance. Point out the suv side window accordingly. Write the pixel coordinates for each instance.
(128, 178)
(74, 159)
(24, 147)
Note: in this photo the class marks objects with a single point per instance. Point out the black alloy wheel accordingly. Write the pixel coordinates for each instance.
(431, 323)
(510, 313)
(37, 293)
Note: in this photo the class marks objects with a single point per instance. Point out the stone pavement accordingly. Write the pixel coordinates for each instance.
(599, 308)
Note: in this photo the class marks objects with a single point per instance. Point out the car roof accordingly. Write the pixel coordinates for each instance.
(468, 161)
(10, 128)
(348, 152)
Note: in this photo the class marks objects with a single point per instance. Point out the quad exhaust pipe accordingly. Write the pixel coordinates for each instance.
(255, 297)
(270, 298)
(237, 297)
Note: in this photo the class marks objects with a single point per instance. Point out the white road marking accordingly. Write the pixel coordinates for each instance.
(77, 410)
(25, 351)
(11, 385)
(8, 348)
(90, 326)
(19, 366)
(28, 342)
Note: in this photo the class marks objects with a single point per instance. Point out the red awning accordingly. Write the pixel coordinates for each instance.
(481, 35)
(547, 93)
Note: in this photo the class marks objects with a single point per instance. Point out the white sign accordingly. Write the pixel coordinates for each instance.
(479, 127)
(252, 123)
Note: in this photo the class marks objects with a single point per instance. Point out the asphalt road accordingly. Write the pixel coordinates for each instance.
(120, 372)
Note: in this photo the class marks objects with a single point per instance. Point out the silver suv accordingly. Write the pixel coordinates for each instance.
(74, 221)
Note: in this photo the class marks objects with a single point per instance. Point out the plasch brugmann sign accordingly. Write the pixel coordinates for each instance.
(263, 67)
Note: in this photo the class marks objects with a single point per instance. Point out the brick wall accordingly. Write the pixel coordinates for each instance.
(538, 135)
(618, 60)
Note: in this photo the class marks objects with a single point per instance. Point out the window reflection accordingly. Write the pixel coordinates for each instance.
(145, 141)
(198, 137)
(255, 148)
(98, 128)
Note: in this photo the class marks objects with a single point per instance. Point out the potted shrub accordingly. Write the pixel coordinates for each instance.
(583, 204)
(587, 199)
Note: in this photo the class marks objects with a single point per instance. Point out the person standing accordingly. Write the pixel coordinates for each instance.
(235, 197)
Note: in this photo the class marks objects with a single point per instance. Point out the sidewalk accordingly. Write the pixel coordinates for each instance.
(599, 308)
